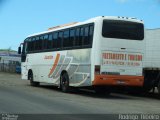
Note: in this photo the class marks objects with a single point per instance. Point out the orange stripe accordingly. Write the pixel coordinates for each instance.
(54, 65)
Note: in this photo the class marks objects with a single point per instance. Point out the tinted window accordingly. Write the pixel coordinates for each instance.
(41, 38)
(60, 39)
(55, 39)
(91, 30)
(81, 36)
(72, 37)
(45, 41)
(49, 43)
(77, 42)
(123, 30)
(86, 36)
(37, 42)
(29, 44)
(33, 43)
(24, 49)
(66, 39)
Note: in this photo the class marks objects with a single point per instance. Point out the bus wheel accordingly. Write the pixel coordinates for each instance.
(64, 83)
(159, 87)
(32, 83)
(101, 90)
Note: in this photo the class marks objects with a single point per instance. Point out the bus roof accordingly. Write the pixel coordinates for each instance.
(61, 26)
(92, 20)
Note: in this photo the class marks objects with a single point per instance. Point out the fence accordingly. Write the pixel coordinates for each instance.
(9, 66)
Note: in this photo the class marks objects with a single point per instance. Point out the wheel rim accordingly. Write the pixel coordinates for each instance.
(64, 82)
(31, 78)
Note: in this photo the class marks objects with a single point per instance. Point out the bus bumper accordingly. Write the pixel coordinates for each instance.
(118, 80)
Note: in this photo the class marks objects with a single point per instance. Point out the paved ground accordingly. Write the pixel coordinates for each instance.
(17, 96)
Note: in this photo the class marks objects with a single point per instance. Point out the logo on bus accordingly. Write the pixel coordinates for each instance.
(48, 57)
(116, 56)
(122, 59)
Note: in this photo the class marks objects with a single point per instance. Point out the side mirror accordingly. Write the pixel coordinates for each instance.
(19, 50)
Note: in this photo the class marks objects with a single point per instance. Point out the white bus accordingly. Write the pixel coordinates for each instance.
(101, 52)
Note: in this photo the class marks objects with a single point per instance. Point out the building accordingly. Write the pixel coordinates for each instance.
(9, 60)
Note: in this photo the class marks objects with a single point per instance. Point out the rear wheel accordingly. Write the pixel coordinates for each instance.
(32, 82)
(148, 85)
(64, 83)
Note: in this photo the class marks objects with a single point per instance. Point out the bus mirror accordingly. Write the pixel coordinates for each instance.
(19, 50)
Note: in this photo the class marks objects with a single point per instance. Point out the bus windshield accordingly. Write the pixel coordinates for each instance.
(123, 30)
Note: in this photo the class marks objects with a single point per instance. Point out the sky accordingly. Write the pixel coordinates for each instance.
(20, 18)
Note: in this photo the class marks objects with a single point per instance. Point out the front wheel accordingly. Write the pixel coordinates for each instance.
(64, 83)
(32, 82)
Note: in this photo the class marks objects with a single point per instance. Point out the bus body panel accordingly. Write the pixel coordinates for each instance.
(47, 66)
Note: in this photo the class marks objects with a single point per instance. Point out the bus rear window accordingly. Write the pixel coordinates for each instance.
(123, 30)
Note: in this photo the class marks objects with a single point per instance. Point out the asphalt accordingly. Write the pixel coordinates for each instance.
(18, 97)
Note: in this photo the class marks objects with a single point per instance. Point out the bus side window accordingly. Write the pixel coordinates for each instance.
(33, 44)
(45, 41)
(37, 43)
(77, 37)
(81, 36)
(49, 43)
(91, 30)
(72, 38)
(66, 39)
(40, 42)
(29, 44)
(55, 39)
(60, 40)
(86, 36)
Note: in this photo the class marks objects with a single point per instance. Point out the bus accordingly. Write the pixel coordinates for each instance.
(101, 53)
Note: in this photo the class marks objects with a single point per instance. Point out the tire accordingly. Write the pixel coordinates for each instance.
(101, 90)
(147, 89)
(148, 85)
(64, 83)
(32, 83)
